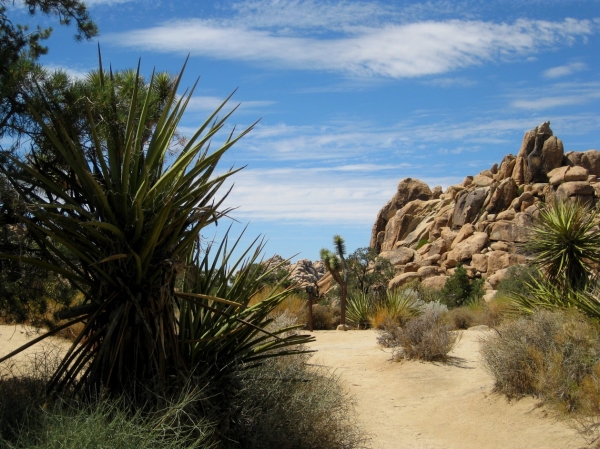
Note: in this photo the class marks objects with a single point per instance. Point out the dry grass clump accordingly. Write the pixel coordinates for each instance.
(325, 317)
(425, 337)
(489, 314)
(289, 404)
(552, 355)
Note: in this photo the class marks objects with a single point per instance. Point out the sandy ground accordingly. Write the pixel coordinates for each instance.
(44, 355)
(409, 404)
(420, 405)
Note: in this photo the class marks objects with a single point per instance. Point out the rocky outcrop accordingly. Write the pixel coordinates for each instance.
(482, 221)
(304, 272)
(408, 190)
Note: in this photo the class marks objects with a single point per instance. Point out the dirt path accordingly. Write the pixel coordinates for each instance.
(436, 406)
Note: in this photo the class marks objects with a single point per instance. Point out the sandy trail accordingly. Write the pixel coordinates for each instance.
(420, 405)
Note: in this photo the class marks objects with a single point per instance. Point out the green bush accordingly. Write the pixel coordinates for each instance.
(459, 290)
(517, 279)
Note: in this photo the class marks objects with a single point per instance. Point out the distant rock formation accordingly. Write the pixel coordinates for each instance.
(304, 272)
(480, 221)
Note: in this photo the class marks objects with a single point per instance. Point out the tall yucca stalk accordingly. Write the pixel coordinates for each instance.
(334, 262)
(120, 225)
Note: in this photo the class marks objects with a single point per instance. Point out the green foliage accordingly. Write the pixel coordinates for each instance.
(219, 330)
(20, 47)
(422, 243)
(130, 220)
(460, 290)
(367, 272)
(517, 280)
(361, 308)
(564, 243)
(334, 262)
(106, 424)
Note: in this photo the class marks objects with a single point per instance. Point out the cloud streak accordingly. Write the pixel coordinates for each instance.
(391, 50)
(564, 70)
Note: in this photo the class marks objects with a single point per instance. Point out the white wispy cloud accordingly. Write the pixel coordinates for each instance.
(389, 50)
(564, 70)
(326, 196)
(209, 103)
(74, 72)
(449, 82)
(562, 94)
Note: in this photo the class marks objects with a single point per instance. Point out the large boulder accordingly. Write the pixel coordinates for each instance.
(543, 152)
(589, 160)
(468, 205)
(502, 196)
(506, 168)
(304, 273)
(465, 249)
(408, 190)
(406, 220)
(508, 231)
(434, 282)
(582, 190)
(402, 279)
(399, 256)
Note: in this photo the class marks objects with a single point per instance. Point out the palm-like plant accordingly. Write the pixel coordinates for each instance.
(119, 222)
(334, 262)
(219, 328)
(564, 242)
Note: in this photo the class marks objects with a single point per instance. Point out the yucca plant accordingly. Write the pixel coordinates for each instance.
(220, 330)
(360, 309)
(564, 242)
(119, 219)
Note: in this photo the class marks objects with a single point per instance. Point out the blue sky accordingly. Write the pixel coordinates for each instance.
(354, 96)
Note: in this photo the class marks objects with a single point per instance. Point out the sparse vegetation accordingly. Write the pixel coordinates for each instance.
(425, 337)
(459, 290)
(553, 355)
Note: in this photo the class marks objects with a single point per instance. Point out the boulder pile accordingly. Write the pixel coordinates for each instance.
(304, 272)
(480, 222)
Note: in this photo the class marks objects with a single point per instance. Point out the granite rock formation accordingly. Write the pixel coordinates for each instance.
(481, 221)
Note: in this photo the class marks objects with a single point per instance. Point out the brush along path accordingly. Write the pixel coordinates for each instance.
(420, 405)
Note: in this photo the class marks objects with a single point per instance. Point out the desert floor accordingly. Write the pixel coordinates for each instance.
(412, 404)
(420, 405)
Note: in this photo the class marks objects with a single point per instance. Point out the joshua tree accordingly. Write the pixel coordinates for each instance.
(334, 262)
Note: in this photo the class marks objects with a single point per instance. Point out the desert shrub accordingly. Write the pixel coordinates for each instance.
(462, 317)
(425, 337)
(553, 355)
(516, 280)
(481, 313)
(325, 317)
(459, 290)
(289, 404)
